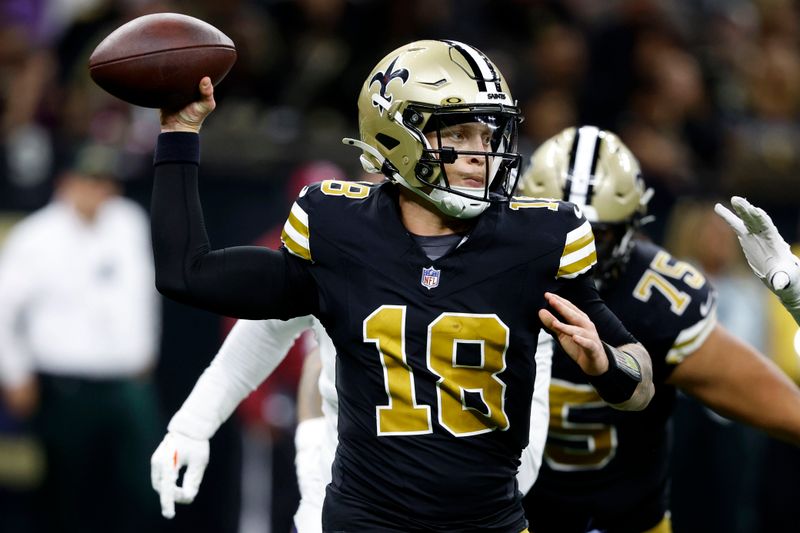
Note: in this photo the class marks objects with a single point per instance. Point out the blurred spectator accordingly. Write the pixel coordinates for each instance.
(26, 76)
(79, 329)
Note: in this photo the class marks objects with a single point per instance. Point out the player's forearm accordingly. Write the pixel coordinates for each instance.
(252, 350)
(626, 361)
(765, 398)
(244, 281)
(735, 380)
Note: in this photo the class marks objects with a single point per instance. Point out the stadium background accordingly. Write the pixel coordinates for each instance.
(705, 92)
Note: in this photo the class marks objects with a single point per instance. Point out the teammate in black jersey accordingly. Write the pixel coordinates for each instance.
(433, 287)
(609, 470)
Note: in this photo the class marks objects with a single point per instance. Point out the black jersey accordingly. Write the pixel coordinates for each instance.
(435, 358)
(435, 365)
(606, 468)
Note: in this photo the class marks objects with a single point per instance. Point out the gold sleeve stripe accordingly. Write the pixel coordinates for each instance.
(578, 233)
(576, 245)
(294, 248)
(691, 338)
(300, 215)
(293, 223)
(579, 252)
(573, 270)
(295, 233)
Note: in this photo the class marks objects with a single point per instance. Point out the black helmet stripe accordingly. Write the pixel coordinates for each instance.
(583, 159)
(595, 161)
(482, 69)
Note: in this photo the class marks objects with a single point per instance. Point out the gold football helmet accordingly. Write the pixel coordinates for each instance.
(593, 169)
(428, 86)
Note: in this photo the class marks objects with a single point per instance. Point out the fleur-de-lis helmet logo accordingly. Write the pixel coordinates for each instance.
(384, 78)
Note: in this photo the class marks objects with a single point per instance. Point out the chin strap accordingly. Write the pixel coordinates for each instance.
(448, 203)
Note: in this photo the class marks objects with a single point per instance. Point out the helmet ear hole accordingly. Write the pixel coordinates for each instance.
(389, 142)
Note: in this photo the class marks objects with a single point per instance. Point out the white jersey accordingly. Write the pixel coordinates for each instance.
(316, 441)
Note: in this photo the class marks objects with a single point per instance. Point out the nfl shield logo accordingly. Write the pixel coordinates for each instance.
(430, 277)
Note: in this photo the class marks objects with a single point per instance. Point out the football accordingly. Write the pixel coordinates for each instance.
(158, 60)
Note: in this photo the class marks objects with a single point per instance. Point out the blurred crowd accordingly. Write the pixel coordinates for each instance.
(706, 93)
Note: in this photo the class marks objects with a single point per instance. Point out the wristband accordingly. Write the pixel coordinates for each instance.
(177, 147)
(618, 383)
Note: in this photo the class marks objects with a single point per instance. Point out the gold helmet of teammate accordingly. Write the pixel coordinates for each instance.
(593, 169)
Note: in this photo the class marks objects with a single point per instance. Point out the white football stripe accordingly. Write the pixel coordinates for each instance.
(578, 232)
(301, 240)
(587, 138)
(486, 71)
(577, 255)
(694, 336)
(299, 214)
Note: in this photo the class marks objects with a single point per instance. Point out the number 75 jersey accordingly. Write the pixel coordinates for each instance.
(435, 358)
(596, 457)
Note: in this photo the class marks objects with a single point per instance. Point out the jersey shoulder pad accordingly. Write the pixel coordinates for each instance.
(319, 204)
(578, 255)
(564, 225)
(680, 300)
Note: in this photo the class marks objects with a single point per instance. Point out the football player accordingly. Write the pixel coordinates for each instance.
(432, 285)
(251, 351)
(609, 470)
(767, 253)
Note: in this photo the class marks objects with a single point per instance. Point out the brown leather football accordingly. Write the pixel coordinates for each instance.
(158, 60)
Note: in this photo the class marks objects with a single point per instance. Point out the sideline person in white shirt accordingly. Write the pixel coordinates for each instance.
(79, 329)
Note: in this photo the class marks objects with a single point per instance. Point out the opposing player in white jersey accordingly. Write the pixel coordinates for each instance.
(252, 350)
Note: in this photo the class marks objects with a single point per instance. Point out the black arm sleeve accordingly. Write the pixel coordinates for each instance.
(583, 293)
(245, 281)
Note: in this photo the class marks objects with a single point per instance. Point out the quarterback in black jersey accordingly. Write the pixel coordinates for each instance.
(605, 469)
(435, 366)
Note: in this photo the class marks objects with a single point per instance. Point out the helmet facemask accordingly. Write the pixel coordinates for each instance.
(499, 156)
